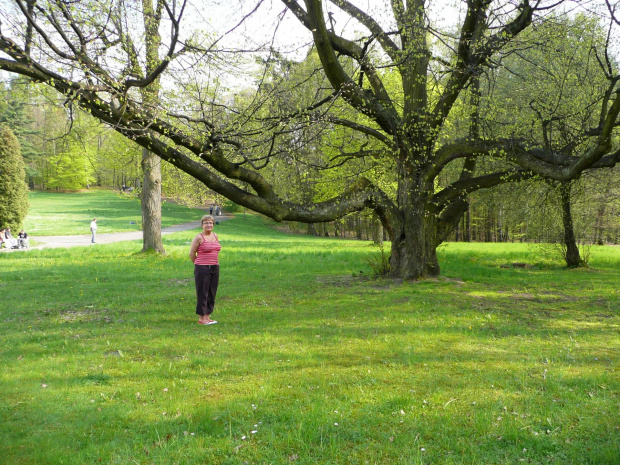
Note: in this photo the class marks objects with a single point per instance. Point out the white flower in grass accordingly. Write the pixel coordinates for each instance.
(243, 438)
(335, 424)
(254, 431)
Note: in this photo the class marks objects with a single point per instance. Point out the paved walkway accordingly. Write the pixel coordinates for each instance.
(49, 242)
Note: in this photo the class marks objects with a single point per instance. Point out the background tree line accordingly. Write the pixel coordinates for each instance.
(66, 149)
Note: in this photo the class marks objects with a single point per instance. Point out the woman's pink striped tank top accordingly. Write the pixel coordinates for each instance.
(208, 252)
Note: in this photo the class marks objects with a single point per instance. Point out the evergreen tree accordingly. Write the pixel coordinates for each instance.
(16, 110)
(13, 189)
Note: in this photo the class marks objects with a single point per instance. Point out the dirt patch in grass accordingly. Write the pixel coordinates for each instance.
(86, 314)
(340, 281)
(181, 282)
(548, 297)
(524, 296)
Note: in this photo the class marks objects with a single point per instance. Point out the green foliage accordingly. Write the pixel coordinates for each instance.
(69, 170)
(379, 262)
(16, 111)
(550, 93)
(13, 189)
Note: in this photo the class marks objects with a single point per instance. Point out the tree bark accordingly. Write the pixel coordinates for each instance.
(151, 163)
(467, 233)
(151, 203)
(377, 233)
(599, 228)
(415, 237)
(414, 252)
(572, 257)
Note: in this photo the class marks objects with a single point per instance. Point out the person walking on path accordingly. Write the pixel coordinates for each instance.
(93, 230)
(204, 254)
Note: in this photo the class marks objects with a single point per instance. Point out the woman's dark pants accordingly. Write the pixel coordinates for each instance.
(207, 278)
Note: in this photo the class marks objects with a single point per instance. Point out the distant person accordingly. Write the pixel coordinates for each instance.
(22, 240)
(93, 230)
(211, 209)
(11, 242)
(218, 210)
(2, 238)
(204, 253)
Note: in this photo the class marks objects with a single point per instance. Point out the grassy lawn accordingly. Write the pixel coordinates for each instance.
(68, 214)
(312, 362)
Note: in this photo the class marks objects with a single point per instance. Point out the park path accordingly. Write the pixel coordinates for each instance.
(83, 240)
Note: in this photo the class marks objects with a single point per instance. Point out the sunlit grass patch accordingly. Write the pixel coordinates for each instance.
(71, 213)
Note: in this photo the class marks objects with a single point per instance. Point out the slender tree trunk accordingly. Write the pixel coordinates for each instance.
(468, 224)
(599, 228)
(572, 251)
(151, 164)
(151, 203)
(377, 233)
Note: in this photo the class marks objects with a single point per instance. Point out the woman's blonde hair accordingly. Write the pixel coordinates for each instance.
(207, 217)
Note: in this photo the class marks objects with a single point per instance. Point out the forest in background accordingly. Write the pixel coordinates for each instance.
(65, 149)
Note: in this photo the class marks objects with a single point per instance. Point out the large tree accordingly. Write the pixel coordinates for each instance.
(394, 79)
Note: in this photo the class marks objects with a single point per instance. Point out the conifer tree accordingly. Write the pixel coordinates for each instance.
(13, 189)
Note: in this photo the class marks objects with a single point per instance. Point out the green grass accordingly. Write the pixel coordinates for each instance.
(69, 214)
(103, 362)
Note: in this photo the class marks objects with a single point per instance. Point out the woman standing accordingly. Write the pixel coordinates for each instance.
(204, 253)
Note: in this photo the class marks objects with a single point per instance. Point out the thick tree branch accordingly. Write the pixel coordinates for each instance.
(466, 186)
(475, 49)
(379, 106)
(386, 42)
(156, 73)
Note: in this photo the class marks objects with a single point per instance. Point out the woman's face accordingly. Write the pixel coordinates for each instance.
(207, 225)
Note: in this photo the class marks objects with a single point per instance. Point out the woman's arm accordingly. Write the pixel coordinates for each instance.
(193, 249)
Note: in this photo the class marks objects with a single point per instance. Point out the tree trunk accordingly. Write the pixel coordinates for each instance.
(377, 233)
(599, 228)
(151, 164)
(468, 224)
(414, 255)
(151, 203)
(414, 243)
(572, 257)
